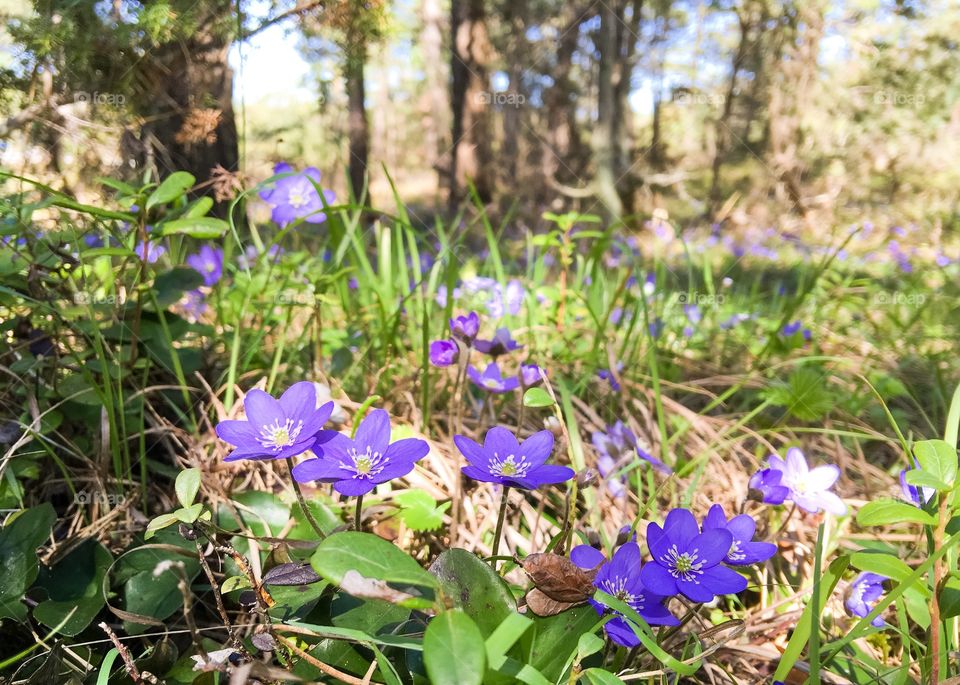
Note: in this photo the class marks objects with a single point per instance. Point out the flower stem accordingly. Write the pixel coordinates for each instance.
(499, 531)
(357, 513)
(303, 502)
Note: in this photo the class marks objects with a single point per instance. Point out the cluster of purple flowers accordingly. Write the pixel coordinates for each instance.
(686, 559)
(293, 425)
(464, 331)
(208, 262)
(496, 299)
(793, 480)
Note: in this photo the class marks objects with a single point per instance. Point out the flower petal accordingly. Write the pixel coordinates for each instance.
(752, 553)
(480, 474)
(262, 409)
(501, 441)
(715, 518)
(319, 469)
(586, 557)
(549, 474)
(681, 527)
(658, 580)
(474, 453)
(695, 590)
(407, 450)
(394, 469)
(299, 401)
(620, 632)
(374, 431)
(743, 527)
(712, 545)
(337, 446)
(354, 487)
(723, 581)
(538, 447)
(237, 432)
(796, 462)
(314, 420)
(822, 477)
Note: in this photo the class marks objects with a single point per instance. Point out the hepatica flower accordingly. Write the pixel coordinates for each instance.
(530, 375)
(356, 466)
(744, 551)
(620, 577)
(491, 379)
(766, 487)
(619, 446)
(687, 561)
(277, 429)
(444, 352)
(209, 263)
(503, 460)
(792, 328)
(152, 252)
(808, 488)
(295, 196)
(501, 343)
(466, 327)
(862, 596)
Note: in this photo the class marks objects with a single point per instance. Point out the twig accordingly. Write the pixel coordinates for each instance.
(303, 502)
(326, 668)
(125, 655)
(221, 609)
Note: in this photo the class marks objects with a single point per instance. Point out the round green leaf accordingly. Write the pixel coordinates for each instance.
(453, 651)
(537, 397)
(173, 186)
(187, 485)
(476, 588)
(371, 556)
(937, 458)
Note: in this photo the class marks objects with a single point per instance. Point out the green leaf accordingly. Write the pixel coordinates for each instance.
(371, 556)
(175, 185)
(199, 207)
(170, 285)
(937, 458)
(598, 676)
(537, 397)
(883, 564)
(475, 587)
(234, 583)
(924, 479)
(74, 585)
(189, 514)
(263, 513)
(918, 607)
(419, 511)
(950, 598)
(19, 567)
(200, 227)
(161, 521)
(453, 650)
(887, 511)
(187, 485)
(805, 394)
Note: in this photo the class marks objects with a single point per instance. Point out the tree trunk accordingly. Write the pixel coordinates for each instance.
(604, 149)
(471, 152)
(435, 104)
(186, 98)
(359, 133)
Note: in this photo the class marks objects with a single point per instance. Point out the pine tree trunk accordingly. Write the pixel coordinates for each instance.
(359, 133)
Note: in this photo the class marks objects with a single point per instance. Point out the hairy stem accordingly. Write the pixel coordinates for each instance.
(303, 502)
(500, 517)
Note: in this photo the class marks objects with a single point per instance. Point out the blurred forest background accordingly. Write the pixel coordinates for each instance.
(801, 112)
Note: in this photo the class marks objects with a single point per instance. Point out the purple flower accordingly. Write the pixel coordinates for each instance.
(687, 561)
(792, 328)
(357, 466)
(911, 492)
(862, 596)
(209, 263)
(619, 447)
(501, 343)
(744, 551)
(465, 327)
(530, 375)
(444, 352)
(503, 460)
(277, 429)
(295, 196)
(620, 577)
(194, 303)
(491, 379)
(152, 252)
(766, 487)
(809, 488)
